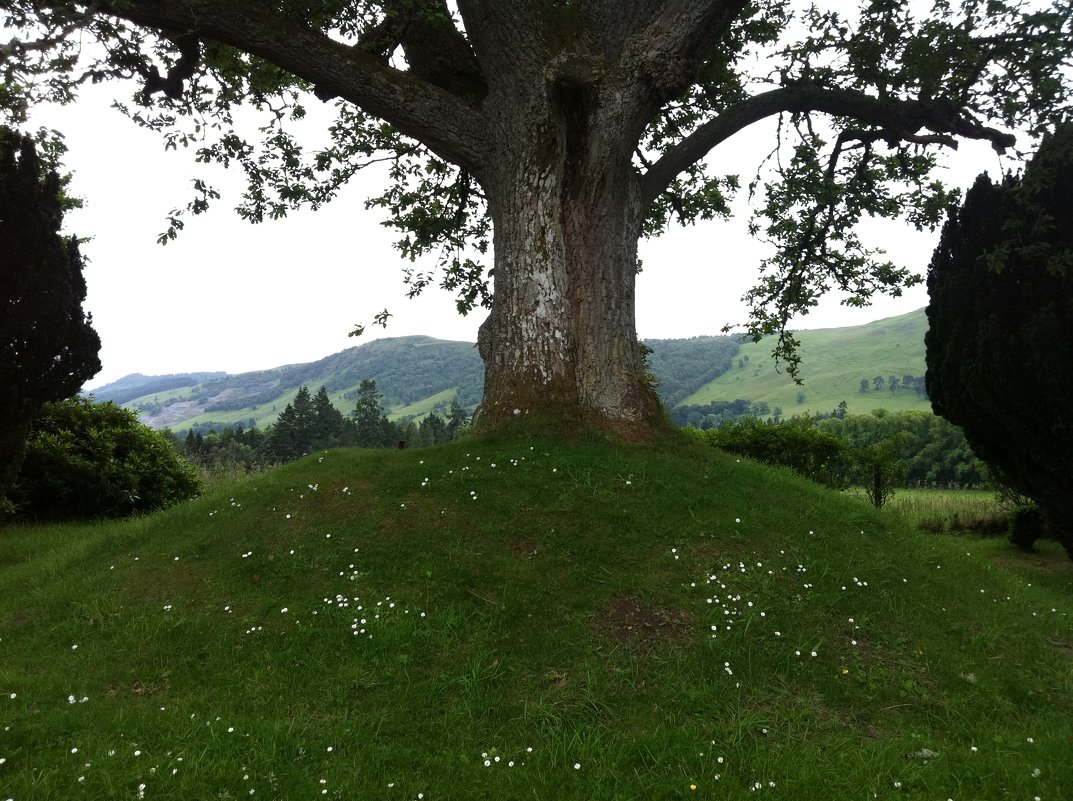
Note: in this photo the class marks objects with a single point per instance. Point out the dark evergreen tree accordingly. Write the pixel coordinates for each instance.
(374, 430)
(864, 385)
(1000, 336)
(409, 434)
(48, 347)
(432, 430)
(457, 420)
(292, 436)
(329, 428)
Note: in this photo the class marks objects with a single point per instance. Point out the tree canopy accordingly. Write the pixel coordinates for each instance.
(555, 133)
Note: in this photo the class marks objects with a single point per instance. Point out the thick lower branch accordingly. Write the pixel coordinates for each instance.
(898, 119)
(450, 127)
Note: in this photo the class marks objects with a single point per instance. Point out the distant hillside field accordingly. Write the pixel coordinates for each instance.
(420, 374)
(417, 375)
(833, 362)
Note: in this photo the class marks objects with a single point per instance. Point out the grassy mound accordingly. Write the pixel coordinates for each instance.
(508, 619)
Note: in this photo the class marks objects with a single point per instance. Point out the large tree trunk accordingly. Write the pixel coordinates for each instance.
(565, 201)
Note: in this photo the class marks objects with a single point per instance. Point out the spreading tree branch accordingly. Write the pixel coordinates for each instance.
(897, 120)
(448, 124)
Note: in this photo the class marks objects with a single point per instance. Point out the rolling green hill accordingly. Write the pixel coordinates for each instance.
(833, 362)
(420, 374)
(530, 619)
(414, 373)
(417, 375)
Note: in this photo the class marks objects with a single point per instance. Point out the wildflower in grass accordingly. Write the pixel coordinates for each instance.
(577, 766)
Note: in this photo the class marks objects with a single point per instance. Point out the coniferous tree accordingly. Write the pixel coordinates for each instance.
(329, 427)
(433, 430)
(284, 441)
(48, 347)
(293, 434)
(374, 430)
(1000, 336)
(457, 420)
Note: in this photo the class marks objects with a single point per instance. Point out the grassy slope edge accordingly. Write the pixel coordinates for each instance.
(495, 619)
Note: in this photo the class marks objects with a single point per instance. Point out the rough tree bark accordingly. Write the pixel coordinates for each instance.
(568, 104)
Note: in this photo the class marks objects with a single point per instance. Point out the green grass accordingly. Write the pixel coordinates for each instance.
(949, 510)
(508, 619)
(834, 360)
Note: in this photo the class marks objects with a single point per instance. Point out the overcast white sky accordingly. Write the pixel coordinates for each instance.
(231, 296)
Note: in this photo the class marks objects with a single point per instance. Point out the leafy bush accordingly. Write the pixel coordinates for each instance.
(999, 350)
(877, 470)
(1026, 526)
(798, 444)
(86, 460)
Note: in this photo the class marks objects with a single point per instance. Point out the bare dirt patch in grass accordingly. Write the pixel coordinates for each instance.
(524, 547)
(628, 622)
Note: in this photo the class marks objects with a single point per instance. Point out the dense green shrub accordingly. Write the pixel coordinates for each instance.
(798, 444)
(87, 460)
(1000, 336)
(1026, 526)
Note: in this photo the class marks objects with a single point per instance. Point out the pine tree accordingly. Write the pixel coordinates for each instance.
(292, 436)
(329, 427)
(369, 417)
(433, 430)
(457, 420)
